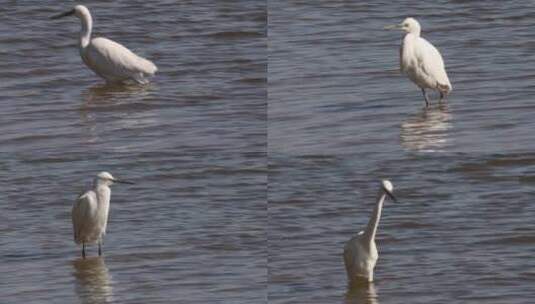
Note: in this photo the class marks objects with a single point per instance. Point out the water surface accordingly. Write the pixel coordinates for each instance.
(341, 117)
(194, 142)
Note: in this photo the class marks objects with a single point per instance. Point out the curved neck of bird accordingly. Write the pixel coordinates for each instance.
(103, 192)
(87, 27)
(415, 32)
(371, 229)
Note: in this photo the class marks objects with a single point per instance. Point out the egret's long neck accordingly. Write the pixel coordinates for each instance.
(103, 191)
(371, 229)
(415, 32)
(411, 37)
(103, 194)
(85, 33)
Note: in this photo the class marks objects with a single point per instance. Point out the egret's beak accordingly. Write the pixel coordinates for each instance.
(122, 182)
(390, 195)
(393, 27)
(69, 13)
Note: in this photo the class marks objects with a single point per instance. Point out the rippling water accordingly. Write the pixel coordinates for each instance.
(341, 117)
(194, 141)
(196, 227)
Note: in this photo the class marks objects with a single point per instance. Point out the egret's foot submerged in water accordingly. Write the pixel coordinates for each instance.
(90, 212)
(107, 58)
(426, 98)
(420, 60)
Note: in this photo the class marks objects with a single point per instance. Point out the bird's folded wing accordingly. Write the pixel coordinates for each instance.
(115, 58)
(81, 212)
(431, 63)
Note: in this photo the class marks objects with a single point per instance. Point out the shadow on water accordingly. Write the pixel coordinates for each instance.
(93, 281)
(361, 293)
(428, 130)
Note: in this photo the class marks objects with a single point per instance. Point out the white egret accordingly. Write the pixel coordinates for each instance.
(90, 212)
(421, 61)
(360, 252)
(109, 59)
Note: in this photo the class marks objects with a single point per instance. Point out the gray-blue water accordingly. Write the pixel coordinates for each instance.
(193, 228)
(315, 112)
(341, 117)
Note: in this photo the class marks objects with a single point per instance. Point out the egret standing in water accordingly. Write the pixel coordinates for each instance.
(109, 59)
(421, 61)
(360, 252)
(90, 212)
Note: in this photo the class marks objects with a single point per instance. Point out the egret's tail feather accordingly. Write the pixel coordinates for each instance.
(444, 88)
(147, 66)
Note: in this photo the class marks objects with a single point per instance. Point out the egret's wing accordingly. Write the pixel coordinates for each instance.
(401, 64)
(348, 256)
(349, 251)
(113, 58)
(81, 212)
(431, 63)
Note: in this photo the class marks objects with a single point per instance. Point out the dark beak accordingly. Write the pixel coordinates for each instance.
(122, 182)
(69, 13)
(391, 195)
(393, 27)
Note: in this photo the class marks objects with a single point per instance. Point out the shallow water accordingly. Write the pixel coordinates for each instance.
(194, 142)
(194, 227)
(341, 117)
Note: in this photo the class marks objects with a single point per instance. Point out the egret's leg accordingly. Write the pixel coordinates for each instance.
(99, 249)
(425, 97)
(442, 96)
(83, 250)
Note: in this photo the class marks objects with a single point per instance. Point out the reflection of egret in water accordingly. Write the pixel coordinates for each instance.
(116, 107)
(107, 93)
(427, 131)
(361, 293)
(93, 284)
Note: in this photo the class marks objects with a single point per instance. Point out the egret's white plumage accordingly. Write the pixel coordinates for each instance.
(421, 61)
(360, 252)
(109, 59)
(90, 212)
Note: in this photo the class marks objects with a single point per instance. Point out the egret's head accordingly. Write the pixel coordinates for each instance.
(387, 188)
(409, 25)
(105, 178)
(79, 11)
